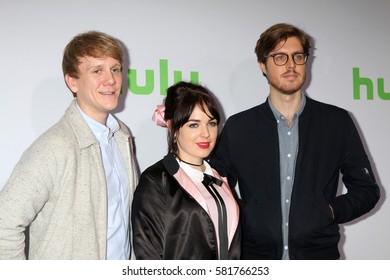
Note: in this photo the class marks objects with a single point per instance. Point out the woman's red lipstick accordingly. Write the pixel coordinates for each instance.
(203, 145)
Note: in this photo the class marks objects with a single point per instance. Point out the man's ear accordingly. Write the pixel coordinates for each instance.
(71, 83)
(263, 68)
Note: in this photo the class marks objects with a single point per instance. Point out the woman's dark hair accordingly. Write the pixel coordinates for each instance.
(180, 102)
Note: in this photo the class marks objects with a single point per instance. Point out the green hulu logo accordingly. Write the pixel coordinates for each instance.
(359, 82)
(150, 79)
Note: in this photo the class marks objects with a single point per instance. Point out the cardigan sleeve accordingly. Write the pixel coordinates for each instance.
(23, 196)
(148, 216)
(357, 175)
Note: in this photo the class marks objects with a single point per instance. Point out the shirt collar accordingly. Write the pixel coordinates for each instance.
(101, 132)
(279, 116)
(194, 174)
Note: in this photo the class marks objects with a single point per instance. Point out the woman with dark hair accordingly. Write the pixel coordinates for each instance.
(182, 207)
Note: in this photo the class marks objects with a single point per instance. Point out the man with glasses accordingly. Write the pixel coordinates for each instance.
(286, 156)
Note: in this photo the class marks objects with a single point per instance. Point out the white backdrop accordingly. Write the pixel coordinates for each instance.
(215, 39)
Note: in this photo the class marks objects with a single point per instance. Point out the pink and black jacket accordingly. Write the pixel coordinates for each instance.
(170, 218)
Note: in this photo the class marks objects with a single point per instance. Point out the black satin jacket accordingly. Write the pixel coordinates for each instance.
(169, 222)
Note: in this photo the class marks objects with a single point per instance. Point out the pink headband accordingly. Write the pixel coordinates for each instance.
(158, 116)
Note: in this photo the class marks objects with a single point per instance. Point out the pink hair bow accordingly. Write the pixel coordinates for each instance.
(158, 116)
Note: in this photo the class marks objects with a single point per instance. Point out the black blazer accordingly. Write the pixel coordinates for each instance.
(328, 144)
(168, 220)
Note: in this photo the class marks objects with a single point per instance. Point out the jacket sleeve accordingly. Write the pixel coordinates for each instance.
(222, 158)
(362, 190)
(23, 196)
(148, 216)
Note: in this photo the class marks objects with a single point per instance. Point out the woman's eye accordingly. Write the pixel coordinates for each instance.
(193, 125)
(213, 123)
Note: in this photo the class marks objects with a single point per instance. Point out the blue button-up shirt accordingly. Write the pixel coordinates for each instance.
(118, 206)
(288, 147)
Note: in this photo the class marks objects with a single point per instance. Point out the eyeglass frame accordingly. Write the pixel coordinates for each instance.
(306, 56)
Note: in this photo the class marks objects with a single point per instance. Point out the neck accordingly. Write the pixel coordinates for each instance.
(199, 167)
(193, 164)
(287, 105)
(99, 117)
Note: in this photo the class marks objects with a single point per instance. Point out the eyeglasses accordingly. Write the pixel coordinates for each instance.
(281, 59)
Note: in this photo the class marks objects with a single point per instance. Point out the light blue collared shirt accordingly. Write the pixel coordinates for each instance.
(118, 208)
(288, 147)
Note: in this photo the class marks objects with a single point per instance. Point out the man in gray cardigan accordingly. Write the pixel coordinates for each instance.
(73, 186)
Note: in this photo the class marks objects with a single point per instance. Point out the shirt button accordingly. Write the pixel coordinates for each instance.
(289, 133)
(285, 247)
(286, 224)
(288, 178)
(288, 155)
(287, 201)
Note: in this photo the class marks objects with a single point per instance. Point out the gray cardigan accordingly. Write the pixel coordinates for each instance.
(58, 188)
